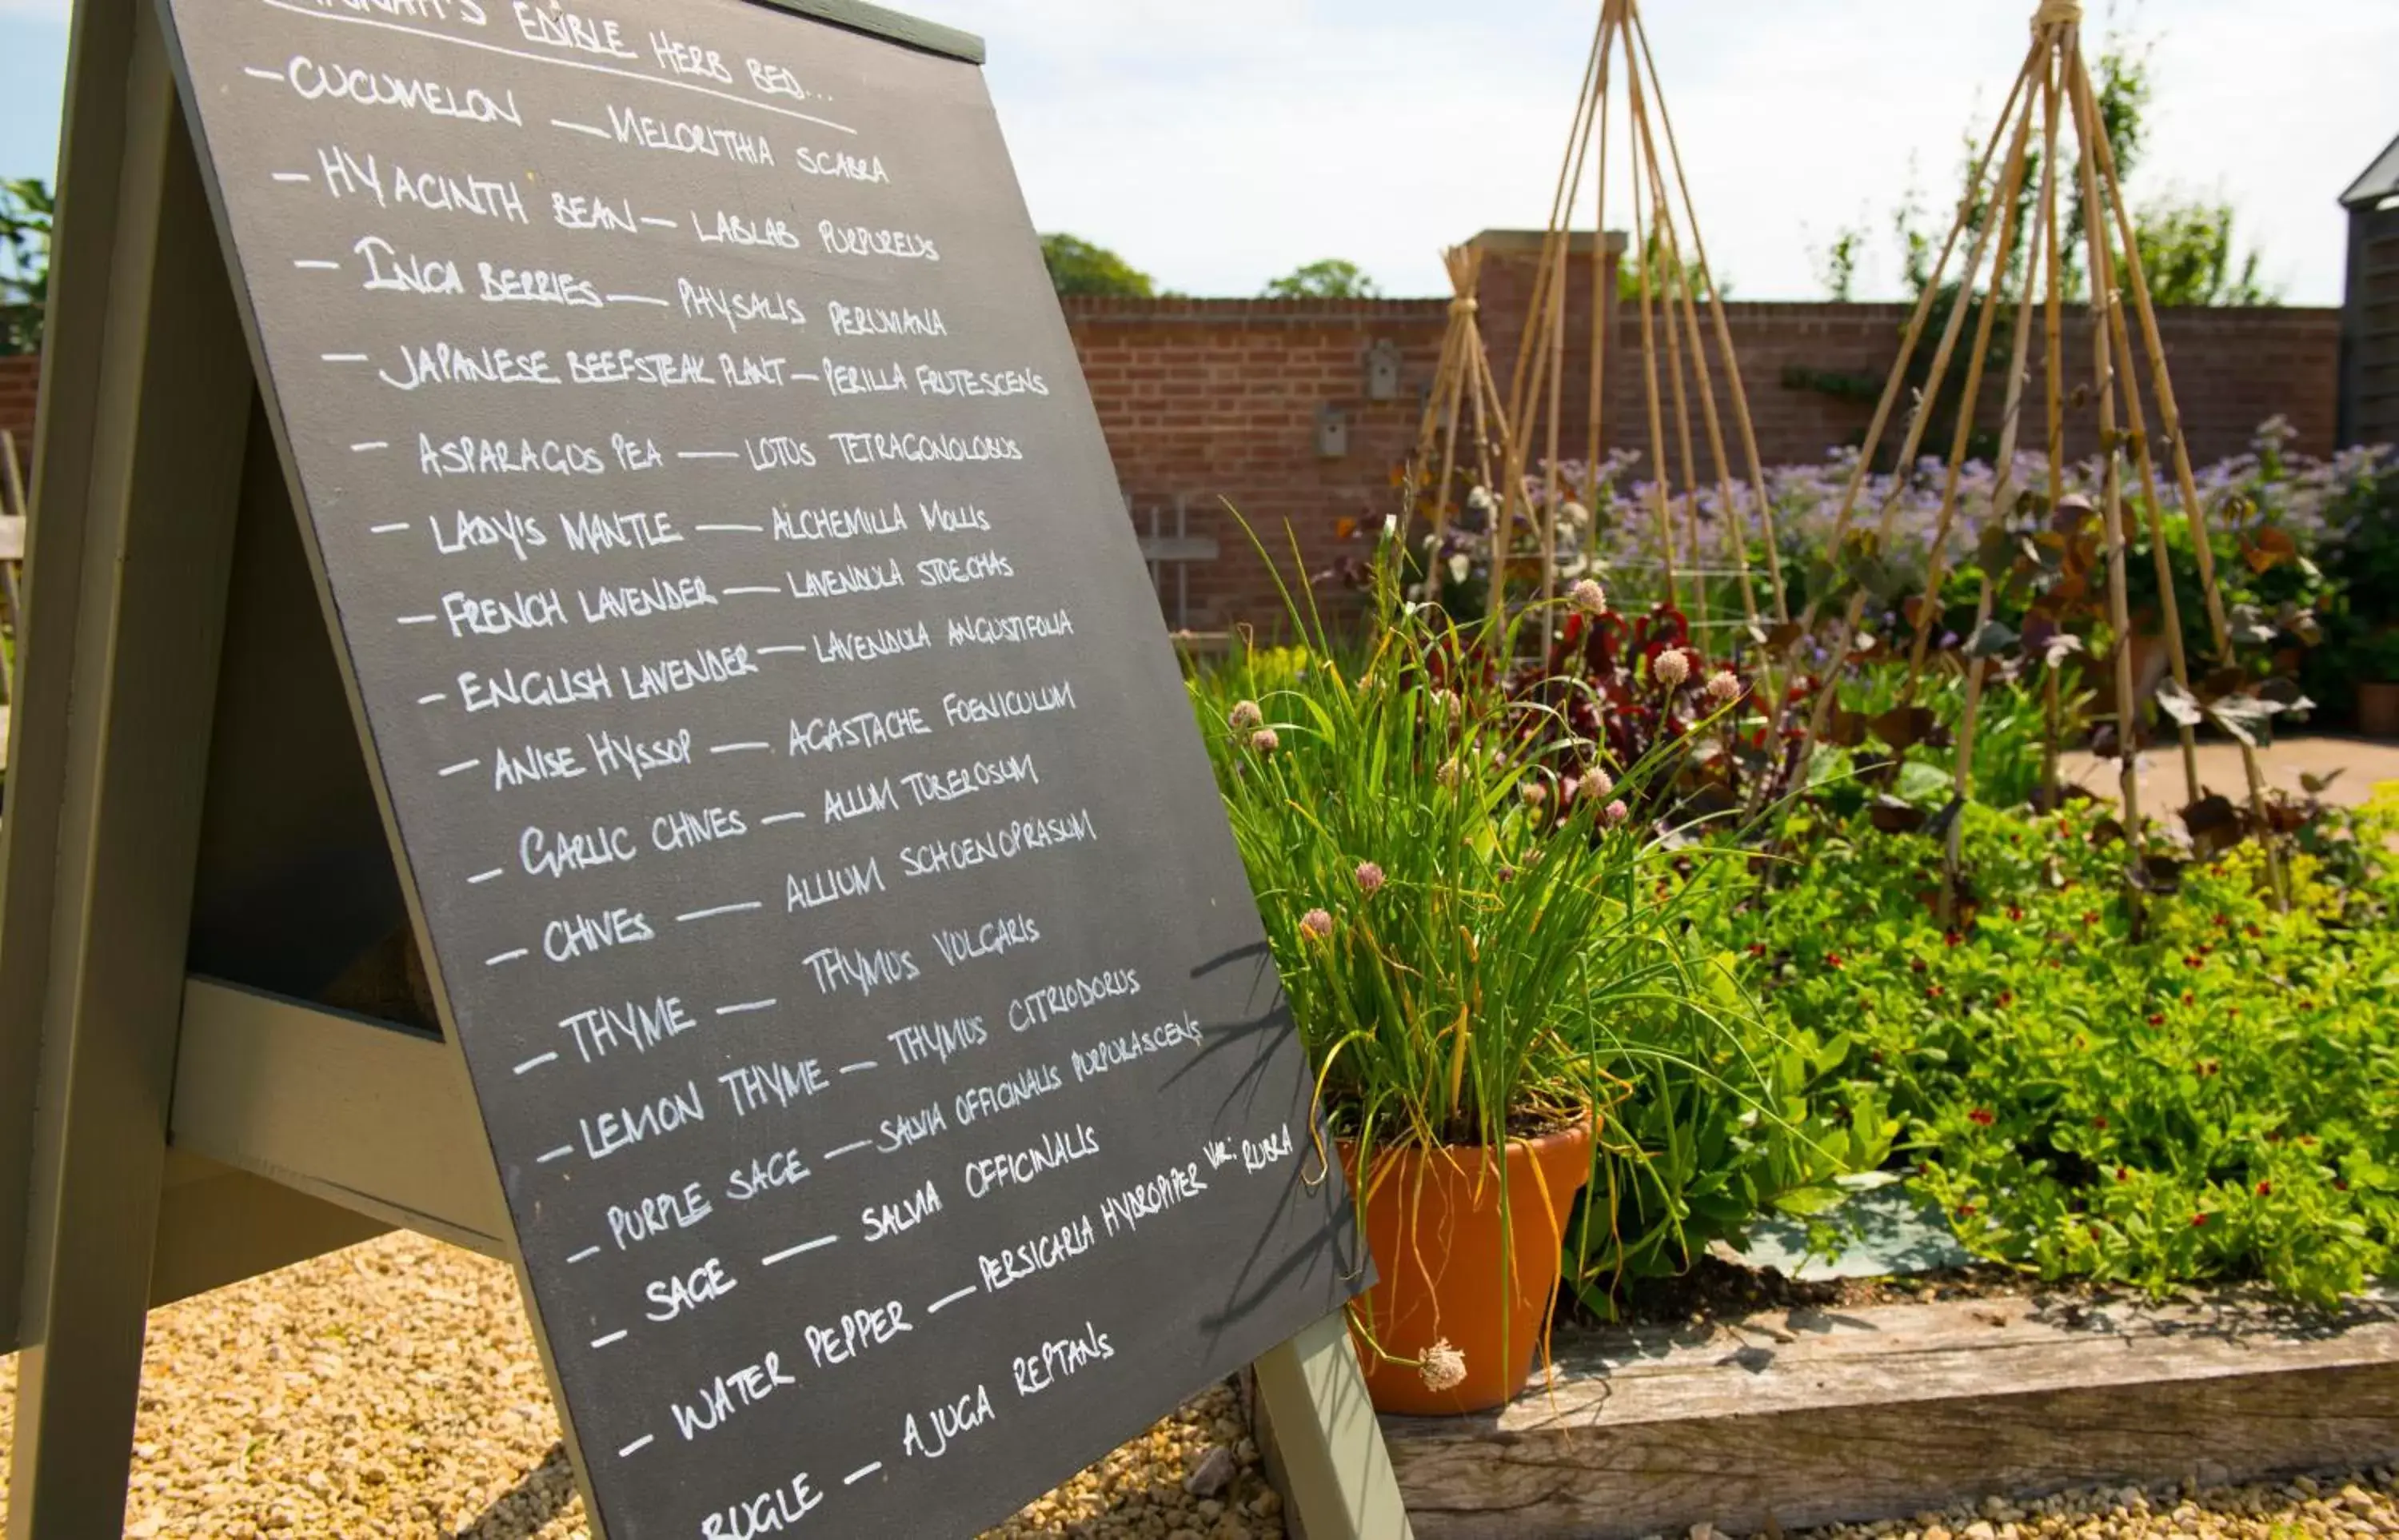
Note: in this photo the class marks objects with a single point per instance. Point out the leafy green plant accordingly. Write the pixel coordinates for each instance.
(2217, 1098)
(27, 214)
(1481, 938)
(1330, 279)
(1692, 1162)
(2359, 553)
(1079, 267)
(1455, 938)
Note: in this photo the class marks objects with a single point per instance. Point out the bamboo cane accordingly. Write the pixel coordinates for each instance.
(1524, 390)
(1660, 473)
(1821, 710)
(1662, 217)
(2170, 419)
(1915, 333)
(1549, 522)
(1428, 421)
(1684, 320)
(1742, 420)
(1601, 305)
(1962, 784)
(2054, 357)
(1530, 348)
(2111, 502)
(2136, 423)
(2012, 180)
(1445, 399)
(1586, 99)
(1662, 213)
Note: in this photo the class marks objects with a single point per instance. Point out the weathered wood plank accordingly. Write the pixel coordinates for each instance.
(1816, 1417)
(360, 1114)
(97, 984)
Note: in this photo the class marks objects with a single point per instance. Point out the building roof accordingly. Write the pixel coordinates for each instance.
(2380, 181)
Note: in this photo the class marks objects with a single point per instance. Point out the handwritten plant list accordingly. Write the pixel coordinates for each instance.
(875, 1037)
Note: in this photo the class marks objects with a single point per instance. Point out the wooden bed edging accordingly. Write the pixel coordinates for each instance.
(1822, 1416)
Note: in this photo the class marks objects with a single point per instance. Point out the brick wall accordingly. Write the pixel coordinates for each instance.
(2231, 369)
(1207, 402)
(19, 384)
(1214, 400)
(1210, 402)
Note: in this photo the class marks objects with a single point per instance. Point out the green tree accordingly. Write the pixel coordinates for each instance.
(1668, 279)
(1837, 263)
(2187, 253)
(2186, 248)
(1329, 279)
(26, 213)
(1079, 267)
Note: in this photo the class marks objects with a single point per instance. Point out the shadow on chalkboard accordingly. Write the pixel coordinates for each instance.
(1254, 1288)
(1337, 1237)
(1260, 1033)
(294, 891)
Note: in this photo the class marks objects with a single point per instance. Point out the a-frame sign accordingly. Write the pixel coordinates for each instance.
(586, 690)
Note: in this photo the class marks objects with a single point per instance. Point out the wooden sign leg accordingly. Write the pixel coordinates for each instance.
(1313, 1401)
(171, 408)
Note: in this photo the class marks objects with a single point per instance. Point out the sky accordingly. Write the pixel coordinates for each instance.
(1218, 144)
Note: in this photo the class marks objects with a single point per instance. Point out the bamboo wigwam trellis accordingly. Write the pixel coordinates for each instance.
(2053, 90)
(1463, 396)
(2020, 260)
(1669, 285)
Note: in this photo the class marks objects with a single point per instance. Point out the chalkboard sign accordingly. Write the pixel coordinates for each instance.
(878, 1043)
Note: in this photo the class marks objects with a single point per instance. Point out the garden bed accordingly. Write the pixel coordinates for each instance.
(1816, 1415)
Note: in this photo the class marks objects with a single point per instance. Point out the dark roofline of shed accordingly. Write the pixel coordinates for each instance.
(2380, 181)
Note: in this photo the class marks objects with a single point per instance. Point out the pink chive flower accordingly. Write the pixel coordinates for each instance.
(1617, 813)
(1264, 742)
(1596, 784)
(1316, 924)
(1370, 877)
(1589, 597)
(1246, 715)
(1723, 688)
(1670, 670)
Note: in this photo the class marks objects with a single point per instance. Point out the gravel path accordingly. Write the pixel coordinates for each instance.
(2309, 1508)
(392, 1390)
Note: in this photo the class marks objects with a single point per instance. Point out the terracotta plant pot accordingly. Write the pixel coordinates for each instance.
(2377, 710)
(1450, 1269)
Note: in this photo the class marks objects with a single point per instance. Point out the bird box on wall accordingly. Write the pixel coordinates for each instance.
(1332, 432)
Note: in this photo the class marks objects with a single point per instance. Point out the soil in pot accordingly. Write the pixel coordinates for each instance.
(1451, 1269)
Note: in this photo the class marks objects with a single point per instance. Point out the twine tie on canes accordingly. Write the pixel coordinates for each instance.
(1463, 305)
(2057, 13)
